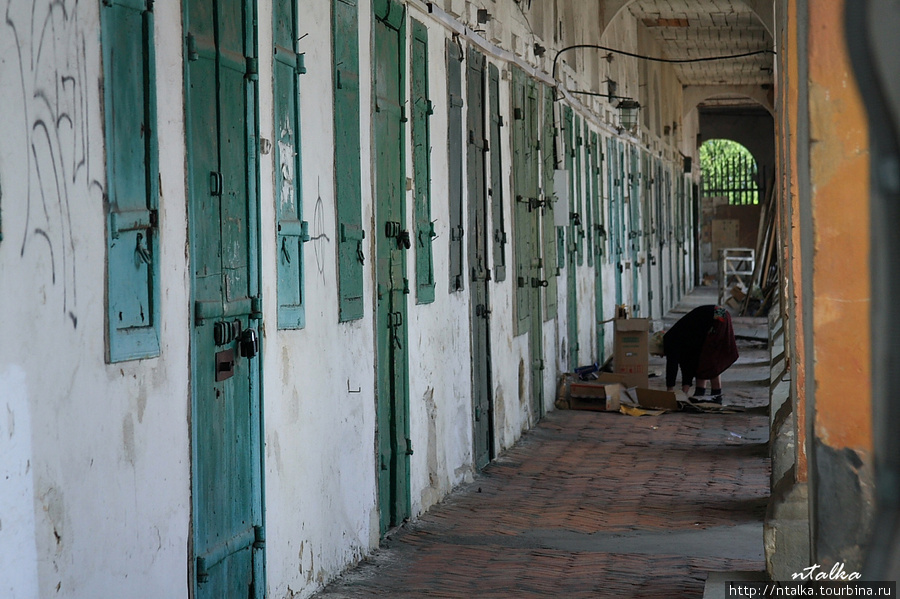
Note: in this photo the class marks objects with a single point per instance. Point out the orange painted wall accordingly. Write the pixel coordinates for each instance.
(790, 58)
(839, 165)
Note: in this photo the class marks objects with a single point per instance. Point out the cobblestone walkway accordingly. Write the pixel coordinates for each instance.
(594, 504)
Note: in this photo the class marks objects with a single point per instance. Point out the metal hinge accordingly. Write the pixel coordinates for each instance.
(252, 68)
(301, 64)
(192, 53)
(215, 183)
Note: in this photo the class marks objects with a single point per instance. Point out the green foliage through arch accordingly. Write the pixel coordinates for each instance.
(729, 170)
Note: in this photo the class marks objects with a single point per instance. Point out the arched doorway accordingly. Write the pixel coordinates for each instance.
(733, 193)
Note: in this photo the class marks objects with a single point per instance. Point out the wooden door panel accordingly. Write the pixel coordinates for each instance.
(227, 526)
(390, 274)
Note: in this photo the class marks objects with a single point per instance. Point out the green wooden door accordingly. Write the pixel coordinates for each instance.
(597, 225)
(548, 220)
(589, 192)
(670, 237)
(391, 243)
(660, 232)
(533, 230)
(647, 229)
(578, 197)
(528, 255)
(634, 228)
(572, 240)
(228, 534)
(479, 247)
(616, 210)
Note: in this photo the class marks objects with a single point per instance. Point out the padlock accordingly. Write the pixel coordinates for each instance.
(249, 343)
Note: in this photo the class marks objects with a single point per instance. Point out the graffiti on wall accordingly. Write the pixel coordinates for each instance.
(59, 105)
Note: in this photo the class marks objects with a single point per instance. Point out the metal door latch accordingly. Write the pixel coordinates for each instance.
(224, 365)
(249, 343)
(226, 332)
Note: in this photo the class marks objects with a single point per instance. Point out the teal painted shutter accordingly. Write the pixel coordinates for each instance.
(498, 226)
(347, 180)
(597, 223)
(292, 231)
(560, 231)
(421, 152)
(635, 179)
(589, 161)
(578, 230)
(521, 249)
(611, 187)
(551, 266)
(568, 128)
(454, 140)
(132, 180)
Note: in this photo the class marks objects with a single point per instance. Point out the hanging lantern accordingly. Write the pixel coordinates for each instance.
(628, 114)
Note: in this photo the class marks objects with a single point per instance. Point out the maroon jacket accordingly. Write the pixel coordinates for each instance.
(701, 343)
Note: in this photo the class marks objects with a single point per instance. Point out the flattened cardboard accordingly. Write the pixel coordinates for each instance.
(653, 398)
(632, 354)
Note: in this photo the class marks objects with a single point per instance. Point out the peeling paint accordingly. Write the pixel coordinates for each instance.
(499, 412)
(522, 383)
(845, 500)
(274, 451)
(53, 506)
(128, 438)
(141, 403)
(428, 498)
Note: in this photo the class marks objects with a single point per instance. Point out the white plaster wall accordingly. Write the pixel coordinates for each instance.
(319, 381)
(439, 337)
(510, 372)
(584, 273)
(98, 456)
(98, 500)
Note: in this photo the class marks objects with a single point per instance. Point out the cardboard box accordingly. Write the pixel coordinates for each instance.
(594, 395)
(652, 398)
(609, 377)
(632, 354)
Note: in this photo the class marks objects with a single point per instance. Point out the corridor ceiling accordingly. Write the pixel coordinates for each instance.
(702, 28)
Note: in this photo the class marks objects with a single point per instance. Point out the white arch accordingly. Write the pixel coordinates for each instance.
(763, 10)
(693, 95)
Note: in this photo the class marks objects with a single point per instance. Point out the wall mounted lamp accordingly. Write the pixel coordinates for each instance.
(628, 113)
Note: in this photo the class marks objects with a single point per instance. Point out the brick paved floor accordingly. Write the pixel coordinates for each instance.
(594, 504)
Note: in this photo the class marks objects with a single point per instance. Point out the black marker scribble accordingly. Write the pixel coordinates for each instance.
(58, 101)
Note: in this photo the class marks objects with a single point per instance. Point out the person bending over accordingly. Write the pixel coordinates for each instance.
(702, 344)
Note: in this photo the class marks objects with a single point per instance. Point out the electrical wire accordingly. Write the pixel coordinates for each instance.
(524, 16)
(657, 59)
